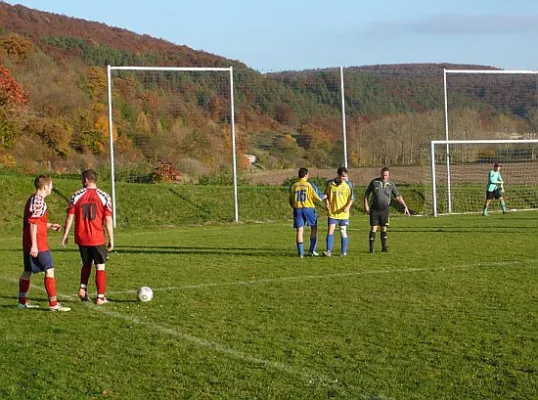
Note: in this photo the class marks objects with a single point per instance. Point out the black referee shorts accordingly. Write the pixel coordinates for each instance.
(379, 217)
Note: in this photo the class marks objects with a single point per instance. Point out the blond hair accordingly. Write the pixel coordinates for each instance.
(41, 181)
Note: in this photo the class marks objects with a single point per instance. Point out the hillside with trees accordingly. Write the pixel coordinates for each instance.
(54, 116)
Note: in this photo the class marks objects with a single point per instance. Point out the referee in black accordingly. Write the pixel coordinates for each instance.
(381, 189)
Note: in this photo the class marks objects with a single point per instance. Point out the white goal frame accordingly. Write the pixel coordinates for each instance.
(171, 69)
(445, 91)
(448, 143)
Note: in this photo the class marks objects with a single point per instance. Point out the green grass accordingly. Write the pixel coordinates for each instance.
(449, 313)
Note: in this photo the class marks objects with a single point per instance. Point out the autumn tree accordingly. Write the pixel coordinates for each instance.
(16, 45)
(12, 100)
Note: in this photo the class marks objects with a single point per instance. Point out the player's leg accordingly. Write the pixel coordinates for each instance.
(383, 221)
(501, 200)
(45, 264)
(312, 221)
(489, 197)
(24, 282)
(85, 272)
(313, 241)
(384, 247)
(330, 237)
(374, 223)
(343, 236)
(299, 241)
(299, 223)
(50, 287)
(100, 256)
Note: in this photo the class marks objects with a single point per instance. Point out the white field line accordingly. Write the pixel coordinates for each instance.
(327, 276)
(311, 377)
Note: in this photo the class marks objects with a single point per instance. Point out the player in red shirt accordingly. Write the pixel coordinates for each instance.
(91, 209)
(35, 247)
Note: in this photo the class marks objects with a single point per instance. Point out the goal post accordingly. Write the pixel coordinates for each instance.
(463, 190)
(203, 70)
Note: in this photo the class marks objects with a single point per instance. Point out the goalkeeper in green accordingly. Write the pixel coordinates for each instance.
(494, 188)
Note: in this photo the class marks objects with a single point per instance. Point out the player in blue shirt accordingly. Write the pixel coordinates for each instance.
(302, 196)
(494, 188)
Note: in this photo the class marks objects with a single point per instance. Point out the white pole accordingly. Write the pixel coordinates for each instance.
(343, 115)
(434, 185)
(234, 161)
(449, 188)
(486, 141)
(111, 140)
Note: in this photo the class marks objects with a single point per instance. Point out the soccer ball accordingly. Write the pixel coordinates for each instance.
(144, 294)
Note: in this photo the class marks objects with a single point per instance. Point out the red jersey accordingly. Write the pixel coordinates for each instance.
(35, 212)
(90, 207)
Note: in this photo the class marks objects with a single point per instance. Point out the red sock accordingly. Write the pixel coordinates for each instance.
(24, 287)
(50, 286)
(85, 273)
(100, 282)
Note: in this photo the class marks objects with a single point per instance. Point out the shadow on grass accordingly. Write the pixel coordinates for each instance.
(112, 300)
(485, 229)
(230, 251)
(198, 206)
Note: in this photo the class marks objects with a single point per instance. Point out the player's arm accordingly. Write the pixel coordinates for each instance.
(326, 195)
(366, 197)
(351, 199)
(33, 239)
(492, 178)
(291, 198)
(396, 194)
(68, 222)
(109, 225)
(317, 194)
(401, 200)
(348, 205)
(54, 227)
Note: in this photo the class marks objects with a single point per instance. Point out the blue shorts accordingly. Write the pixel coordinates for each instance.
(339, 222)
(304, 216)
(41, 263)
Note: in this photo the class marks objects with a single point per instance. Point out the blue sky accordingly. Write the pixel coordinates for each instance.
(304, 34)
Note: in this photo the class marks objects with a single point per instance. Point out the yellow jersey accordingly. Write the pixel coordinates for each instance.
(339, 194)
(303, 194)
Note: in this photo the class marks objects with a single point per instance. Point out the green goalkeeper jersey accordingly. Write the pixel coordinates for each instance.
(494, 180)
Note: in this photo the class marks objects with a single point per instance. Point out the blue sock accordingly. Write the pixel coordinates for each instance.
(313, 243)
(344, 245)
(300, 248)
(330, 239)
(503, 207)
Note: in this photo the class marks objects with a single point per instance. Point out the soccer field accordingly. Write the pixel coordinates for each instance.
(450, 313)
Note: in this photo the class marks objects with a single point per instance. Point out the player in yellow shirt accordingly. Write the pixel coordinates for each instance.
(339, 192)
(302, 196)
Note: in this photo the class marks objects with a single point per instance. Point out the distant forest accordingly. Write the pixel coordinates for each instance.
(54, 105)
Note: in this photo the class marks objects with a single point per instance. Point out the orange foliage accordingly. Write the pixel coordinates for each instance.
(101, 125)
(97, 82)
(16, 45)
(11, 92)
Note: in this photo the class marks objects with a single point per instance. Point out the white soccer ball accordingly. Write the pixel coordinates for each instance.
(144, 294)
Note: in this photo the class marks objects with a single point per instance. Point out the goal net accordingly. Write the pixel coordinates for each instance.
(171, 124)
(459, 174)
